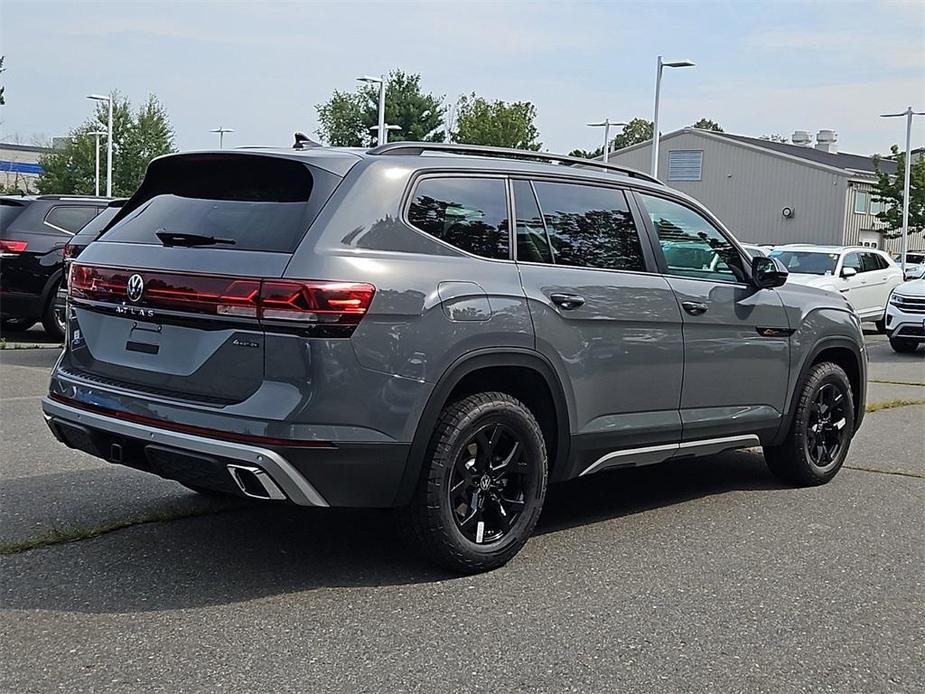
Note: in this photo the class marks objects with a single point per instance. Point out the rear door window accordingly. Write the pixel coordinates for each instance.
(532, 241)
(70, 218)
(249, 202)
(590, 226)
(469, 213)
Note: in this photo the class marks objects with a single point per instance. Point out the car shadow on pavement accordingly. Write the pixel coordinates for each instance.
(261, 551)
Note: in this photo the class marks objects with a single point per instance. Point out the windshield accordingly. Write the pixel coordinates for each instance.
(91, 230)
(807, 262)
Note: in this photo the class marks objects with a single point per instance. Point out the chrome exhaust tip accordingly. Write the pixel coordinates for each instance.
(255, 482)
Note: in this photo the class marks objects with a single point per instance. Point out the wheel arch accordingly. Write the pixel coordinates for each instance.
(488, 367)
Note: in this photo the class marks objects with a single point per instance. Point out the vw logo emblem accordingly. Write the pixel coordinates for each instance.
(135, 288)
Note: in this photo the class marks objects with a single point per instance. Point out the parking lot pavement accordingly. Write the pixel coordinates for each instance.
(698, 576)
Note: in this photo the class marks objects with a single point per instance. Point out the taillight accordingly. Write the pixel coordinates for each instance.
(339, 303)
(13, 246)
(309, 302)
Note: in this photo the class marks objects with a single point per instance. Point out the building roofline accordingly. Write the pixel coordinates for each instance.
(25, 148)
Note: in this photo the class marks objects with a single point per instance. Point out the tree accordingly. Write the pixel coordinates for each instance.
(139, 136)
(347, 119)
(773, 137)
(2, 70)
(496, 123)
(707, 124)
(889, 191)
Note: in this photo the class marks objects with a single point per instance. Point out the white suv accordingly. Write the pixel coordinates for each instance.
(905, 316)
(865, 276)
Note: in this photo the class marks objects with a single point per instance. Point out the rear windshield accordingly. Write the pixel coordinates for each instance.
(807, 262)
(9, 211)
(92, 229)
(259, 203)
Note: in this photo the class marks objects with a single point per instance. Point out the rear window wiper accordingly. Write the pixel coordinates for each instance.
(177, 238)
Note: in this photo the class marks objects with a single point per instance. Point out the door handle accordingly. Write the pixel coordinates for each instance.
(567, 301)
(695, 308)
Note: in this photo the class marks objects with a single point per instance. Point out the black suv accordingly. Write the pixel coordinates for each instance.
(33, 232)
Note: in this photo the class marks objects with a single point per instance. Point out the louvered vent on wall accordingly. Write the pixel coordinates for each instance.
(685, 164)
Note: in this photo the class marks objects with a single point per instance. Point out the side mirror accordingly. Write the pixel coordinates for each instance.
(768, 273)
(847, 272)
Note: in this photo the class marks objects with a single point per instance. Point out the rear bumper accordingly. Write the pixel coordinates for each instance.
(353, 475)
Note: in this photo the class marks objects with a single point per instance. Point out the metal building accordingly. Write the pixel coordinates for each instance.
(19, 166)
(775, 192)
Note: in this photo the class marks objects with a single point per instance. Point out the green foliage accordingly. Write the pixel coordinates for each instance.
(139, 136)
(889, 191)
(347, 118)
(707, 124)
(636, 131)
(774, 137)
(496, 123)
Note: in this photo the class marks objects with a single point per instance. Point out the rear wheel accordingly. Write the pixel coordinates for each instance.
(53, 320)
(483, 485)
(820, 432)
(903, 346)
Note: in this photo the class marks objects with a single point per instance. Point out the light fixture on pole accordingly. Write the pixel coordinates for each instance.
(907, 114)
(96, 136)
(221, 135)
(384, 140)
(380, 129)
(658, 86)
(108, 99)
(606, 123)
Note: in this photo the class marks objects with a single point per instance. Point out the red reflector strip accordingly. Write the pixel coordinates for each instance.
(189, 428)
(308, 301)
(13, 246)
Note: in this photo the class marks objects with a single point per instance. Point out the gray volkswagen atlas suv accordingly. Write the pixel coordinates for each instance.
(440, 329)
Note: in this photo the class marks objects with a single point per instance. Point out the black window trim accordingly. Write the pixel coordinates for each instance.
(703, 212)
(648, 257)
(419, 176)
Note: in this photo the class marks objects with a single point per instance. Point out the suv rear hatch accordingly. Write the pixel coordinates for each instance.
(175, 299)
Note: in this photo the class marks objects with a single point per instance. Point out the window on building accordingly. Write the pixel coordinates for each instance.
(469, 213)
(70, 218)
(532, 242)
(685, 164)
(692, 246)
(876, 206)
(861, 202)
(590, 226)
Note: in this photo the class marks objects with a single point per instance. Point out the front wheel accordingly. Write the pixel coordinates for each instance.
(903, 346)
(483, 485)
(821, 430)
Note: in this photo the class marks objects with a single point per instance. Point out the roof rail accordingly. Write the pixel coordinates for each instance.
(418, 148)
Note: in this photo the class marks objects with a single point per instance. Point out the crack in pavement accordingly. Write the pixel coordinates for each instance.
(896, 383)
(914, 475)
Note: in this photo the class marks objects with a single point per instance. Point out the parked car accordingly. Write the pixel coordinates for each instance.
(905, 316)
(444, 334)
(865, 276)
(915, 264)
(755, 251)
(90, 232)
(33, 231)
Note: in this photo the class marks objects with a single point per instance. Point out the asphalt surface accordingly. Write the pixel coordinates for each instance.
(705, 575)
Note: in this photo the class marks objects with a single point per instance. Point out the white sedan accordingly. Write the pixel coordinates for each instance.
(865, 276)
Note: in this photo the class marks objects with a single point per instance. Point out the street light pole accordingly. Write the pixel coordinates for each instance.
(384, 138)
(221, 135)
(96, 134)
(658, 87)
(908, 114)
(381, 131)
(108, 99)
(606, 125)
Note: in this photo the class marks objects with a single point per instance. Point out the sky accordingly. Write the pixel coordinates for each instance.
(262, 67)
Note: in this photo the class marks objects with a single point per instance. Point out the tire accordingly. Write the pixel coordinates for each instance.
(821, 430)
(16, 324)
(482, 486)
(53, 320)
(903, 346)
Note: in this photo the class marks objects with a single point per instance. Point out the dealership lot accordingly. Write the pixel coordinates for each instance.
(703, 575)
